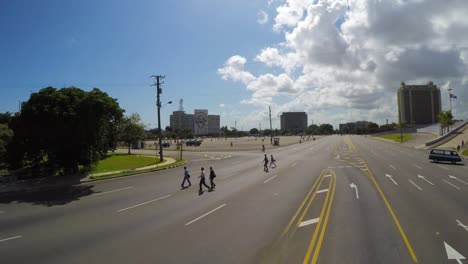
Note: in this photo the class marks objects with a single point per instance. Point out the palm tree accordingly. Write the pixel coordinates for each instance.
(446, 120)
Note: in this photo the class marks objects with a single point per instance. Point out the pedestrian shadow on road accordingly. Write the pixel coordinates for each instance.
(53, 197)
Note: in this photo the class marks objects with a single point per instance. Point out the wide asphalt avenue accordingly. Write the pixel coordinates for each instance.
(339, 199)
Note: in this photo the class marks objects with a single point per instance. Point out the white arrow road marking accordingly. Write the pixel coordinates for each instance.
(415, 185)
(309, 222)
(453, 254)
(453, 185)
(328, 175)
(391, 166)
(270, 179)
(352, 185)
(453, 177)
(198, 218)
(459, 223)
(390, 177)
(10, 238)
(294, 164)
(424, 178)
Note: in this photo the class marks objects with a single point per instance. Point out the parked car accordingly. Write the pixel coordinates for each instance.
(166, 144)
(437, 155)
(193, 143)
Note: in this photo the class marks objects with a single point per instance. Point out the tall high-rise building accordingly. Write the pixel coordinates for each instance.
(419, 104)
(294, 121)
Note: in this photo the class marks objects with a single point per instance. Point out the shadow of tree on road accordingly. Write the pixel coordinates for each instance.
(52, 197)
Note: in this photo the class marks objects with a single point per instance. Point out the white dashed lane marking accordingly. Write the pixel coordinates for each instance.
(10, 238)
(200, 217)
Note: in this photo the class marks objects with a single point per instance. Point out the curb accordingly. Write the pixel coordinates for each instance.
(61, 185)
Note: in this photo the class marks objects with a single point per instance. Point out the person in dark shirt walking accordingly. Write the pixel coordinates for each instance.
(186, 178)
(272, 162)
(265, 163)
(212, 176)
(202, 180)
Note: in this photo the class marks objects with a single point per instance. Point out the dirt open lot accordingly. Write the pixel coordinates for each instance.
(243, 143)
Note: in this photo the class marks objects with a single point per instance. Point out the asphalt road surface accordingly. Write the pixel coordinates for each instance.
(340, 199)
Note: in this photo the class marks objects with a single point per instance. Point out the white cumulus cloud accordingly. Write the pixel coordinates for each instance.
(344, 60)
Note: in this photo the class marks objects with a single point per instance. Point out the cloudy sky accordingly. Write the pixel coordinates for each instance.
(337, 60)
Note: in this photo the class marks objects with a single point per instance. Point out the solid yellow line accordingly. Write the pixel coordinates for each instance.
(300, 207)
(309, 204)
(395, 219)
(317, 228)
(325, 223)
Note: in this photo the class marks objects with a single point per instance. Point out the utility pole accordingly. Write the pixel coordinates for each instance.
(271, 128)
(158, 84)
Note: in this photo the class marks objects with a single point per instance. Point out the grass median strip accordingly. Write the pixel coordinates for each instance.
(134, 172)
(397, 137)
(116, 162)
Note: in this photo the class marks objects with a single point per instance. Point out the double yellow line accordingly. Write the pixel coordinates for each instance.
(315, 245)
(319, 233)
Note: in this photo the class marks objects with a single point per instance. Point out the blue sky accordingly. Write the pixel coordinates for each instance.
(338, 60)
(116, 45)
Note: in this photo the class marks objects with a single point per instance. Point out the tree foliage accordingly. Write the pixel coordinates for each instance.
(253, 131)
(445, 119)
(64, 128)
(131, 130)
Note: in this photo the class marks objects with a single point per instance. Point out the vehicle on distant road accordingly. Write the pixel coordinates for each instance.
(166, 144)
(437, 155)
(194, 142)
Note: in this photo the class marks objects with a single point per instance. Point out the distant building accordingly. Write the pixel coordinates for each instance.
(419, 104)
(214, 124)
(200, 123)
(180, 120)
(294, 121)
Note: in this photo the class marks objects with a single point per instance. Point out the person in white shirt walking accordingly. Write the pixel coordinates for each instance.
(202, 180)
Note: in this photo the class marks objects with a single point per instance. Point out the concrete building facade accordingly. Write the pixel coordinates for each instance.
(200, 123)
(293, 121)
(214, 124)
(180, 120)
(419, 104)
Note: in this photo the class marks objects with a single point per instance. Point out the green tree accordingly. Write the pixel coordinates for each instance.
(5, 136)
(132, 130)
(326, 129)
(312, 130)
(62, 129)
(253, 131)
(446, 119)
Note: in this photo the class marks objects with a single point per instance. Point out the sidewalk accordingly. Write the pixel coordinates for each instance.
(43, 184)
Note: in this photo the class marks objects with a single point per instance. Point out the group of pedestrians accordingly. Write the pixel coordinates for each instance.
(202, 179)
(265, 163)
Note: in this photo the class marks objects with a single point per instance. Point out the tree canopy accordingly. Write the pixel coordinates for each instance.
(64, 128)
(132, 130)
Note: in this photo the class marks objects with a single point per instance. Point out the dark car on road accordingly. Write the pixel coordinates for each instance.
(193, 143)
(437, 155)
